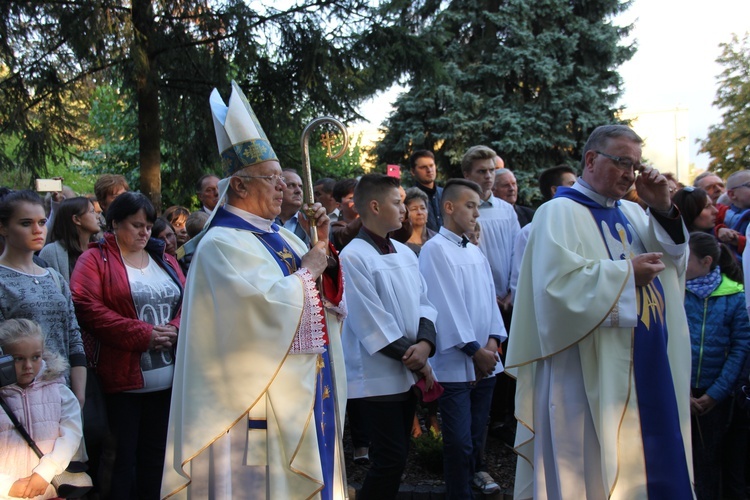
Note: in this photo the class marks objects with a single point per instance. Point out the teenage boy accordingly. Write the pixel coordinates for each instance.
(469, 331)
(389, 332)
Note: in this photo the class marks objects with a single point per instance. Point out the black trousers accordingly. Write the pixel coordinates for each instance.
(139, 424)
(390, 433)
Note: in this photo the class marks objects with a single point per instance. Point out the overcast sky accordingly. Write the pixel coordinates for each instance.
(678, 43)
(675, 66)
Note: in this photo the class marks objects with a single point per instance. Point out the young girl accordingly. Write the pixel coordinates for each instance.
(46, 408)
(33, 292)
(720, 336)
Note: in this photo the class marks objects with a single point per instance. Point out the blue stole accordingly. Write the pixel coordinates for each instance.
(279, 249)
(324, 410)
(667, 474)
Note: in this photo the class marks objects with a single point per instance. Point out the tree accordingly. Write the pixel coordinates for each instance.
(313, 57)
(728, 143)
(529, 79)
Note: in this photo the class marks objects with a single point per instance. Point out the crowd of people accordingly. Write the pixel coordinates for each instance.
(215, 354)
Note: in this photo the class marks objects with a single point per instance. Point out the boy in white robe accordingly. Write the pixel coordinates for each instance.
(469, 332)
(389, 333)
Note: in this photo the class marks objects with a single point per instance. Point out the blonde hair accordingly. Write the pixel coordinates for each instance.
(15, 330)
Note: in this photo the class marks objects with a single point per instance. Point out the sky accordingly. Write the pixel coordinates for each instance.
(674, 67)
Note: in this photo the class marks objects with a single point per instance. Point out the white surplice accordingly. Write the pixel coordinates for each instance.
(385, 297)
(460, 286)
(499, 224)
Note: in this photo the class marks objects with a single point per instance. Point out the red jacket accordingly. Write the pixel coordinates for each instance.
(104, 306)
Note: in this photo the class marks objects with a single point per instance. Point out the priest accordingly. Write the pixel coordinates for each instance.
(599, 341)
(254, 397)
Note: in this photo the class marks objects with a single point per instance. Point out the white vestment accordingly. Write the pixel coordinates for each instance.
(460, 286)
(499, 224)
(240, 318)
(571, 348)
(385, 297)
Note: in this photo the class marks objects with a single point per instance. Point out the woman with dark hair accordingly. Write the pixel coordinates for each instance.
(696, 207)
(177, 216)
(75, 223)
(163, 230)
(30, 291)
(128, 296)
(720, 338)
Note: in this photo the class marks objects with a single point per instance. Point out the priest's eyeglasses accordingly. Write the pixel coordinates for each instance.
(621, 162)
(274, 179)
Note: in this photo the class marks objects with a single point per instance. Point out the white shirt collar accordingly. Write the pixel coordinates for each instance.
(255, 220)
(585, 188)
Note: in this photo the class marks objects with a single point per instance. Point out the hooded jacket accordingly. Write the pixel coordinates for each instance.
(50, 413)
(719, 337)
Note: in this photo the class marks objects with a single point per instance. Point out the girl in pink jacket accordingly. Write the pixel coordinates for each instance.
(44, 405)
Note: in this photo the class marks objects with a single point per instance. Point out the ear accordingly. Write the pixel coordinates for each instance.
(374, 206)
(554, 190)
(706, 261)
(77, 220)
(448, 207)
(590, 156)
(238, 187)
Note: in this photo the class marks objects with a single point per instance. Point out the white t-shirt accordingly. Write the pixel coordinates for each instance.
(156, 297)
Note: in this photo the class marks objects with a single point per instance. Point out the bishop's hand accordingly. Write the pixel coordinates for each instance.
(317, 213)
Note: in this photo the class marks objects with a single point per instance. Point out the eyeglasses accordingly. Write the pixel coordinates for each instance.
(274, 179)
(745, 185)
(622, 163)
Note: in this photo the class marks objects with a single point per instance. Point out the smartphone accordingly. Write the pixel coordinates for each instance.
(393, 171)
(48, 185)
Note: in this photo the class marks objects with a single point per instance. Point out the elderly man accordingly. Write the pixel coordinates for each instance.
(254, 395)
(712, 184)
(290, 216)
(599, 341)
(207, 188)
(506, 188)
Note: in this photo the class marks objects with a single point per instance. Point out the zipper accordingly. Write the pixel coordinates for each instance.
(700, 352)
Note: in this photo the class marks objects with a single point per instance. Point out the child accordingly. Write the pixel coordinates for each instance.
(469, 331)
(389, 333)
(720, 334)
(44, 405)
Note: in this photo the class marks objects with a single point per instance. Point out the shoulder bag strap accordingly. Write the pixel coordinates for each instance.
(20, 428)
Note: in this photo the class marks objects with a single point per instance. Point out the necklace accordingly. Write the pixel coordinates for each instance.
(144, 255)
(32, 274)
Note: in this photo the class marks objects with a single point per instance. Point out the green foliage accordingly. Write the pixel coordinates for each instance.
(145, 71)
(113, 128)
(429, 449)
(529, 79)
(728, 143)
(349, 165)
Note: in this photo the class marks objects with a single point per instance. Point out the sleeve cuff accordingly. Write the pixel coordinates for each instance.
(470, 348)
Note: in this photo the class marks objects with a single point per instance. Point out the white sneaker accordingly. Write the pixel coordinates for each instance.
(484, 482)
